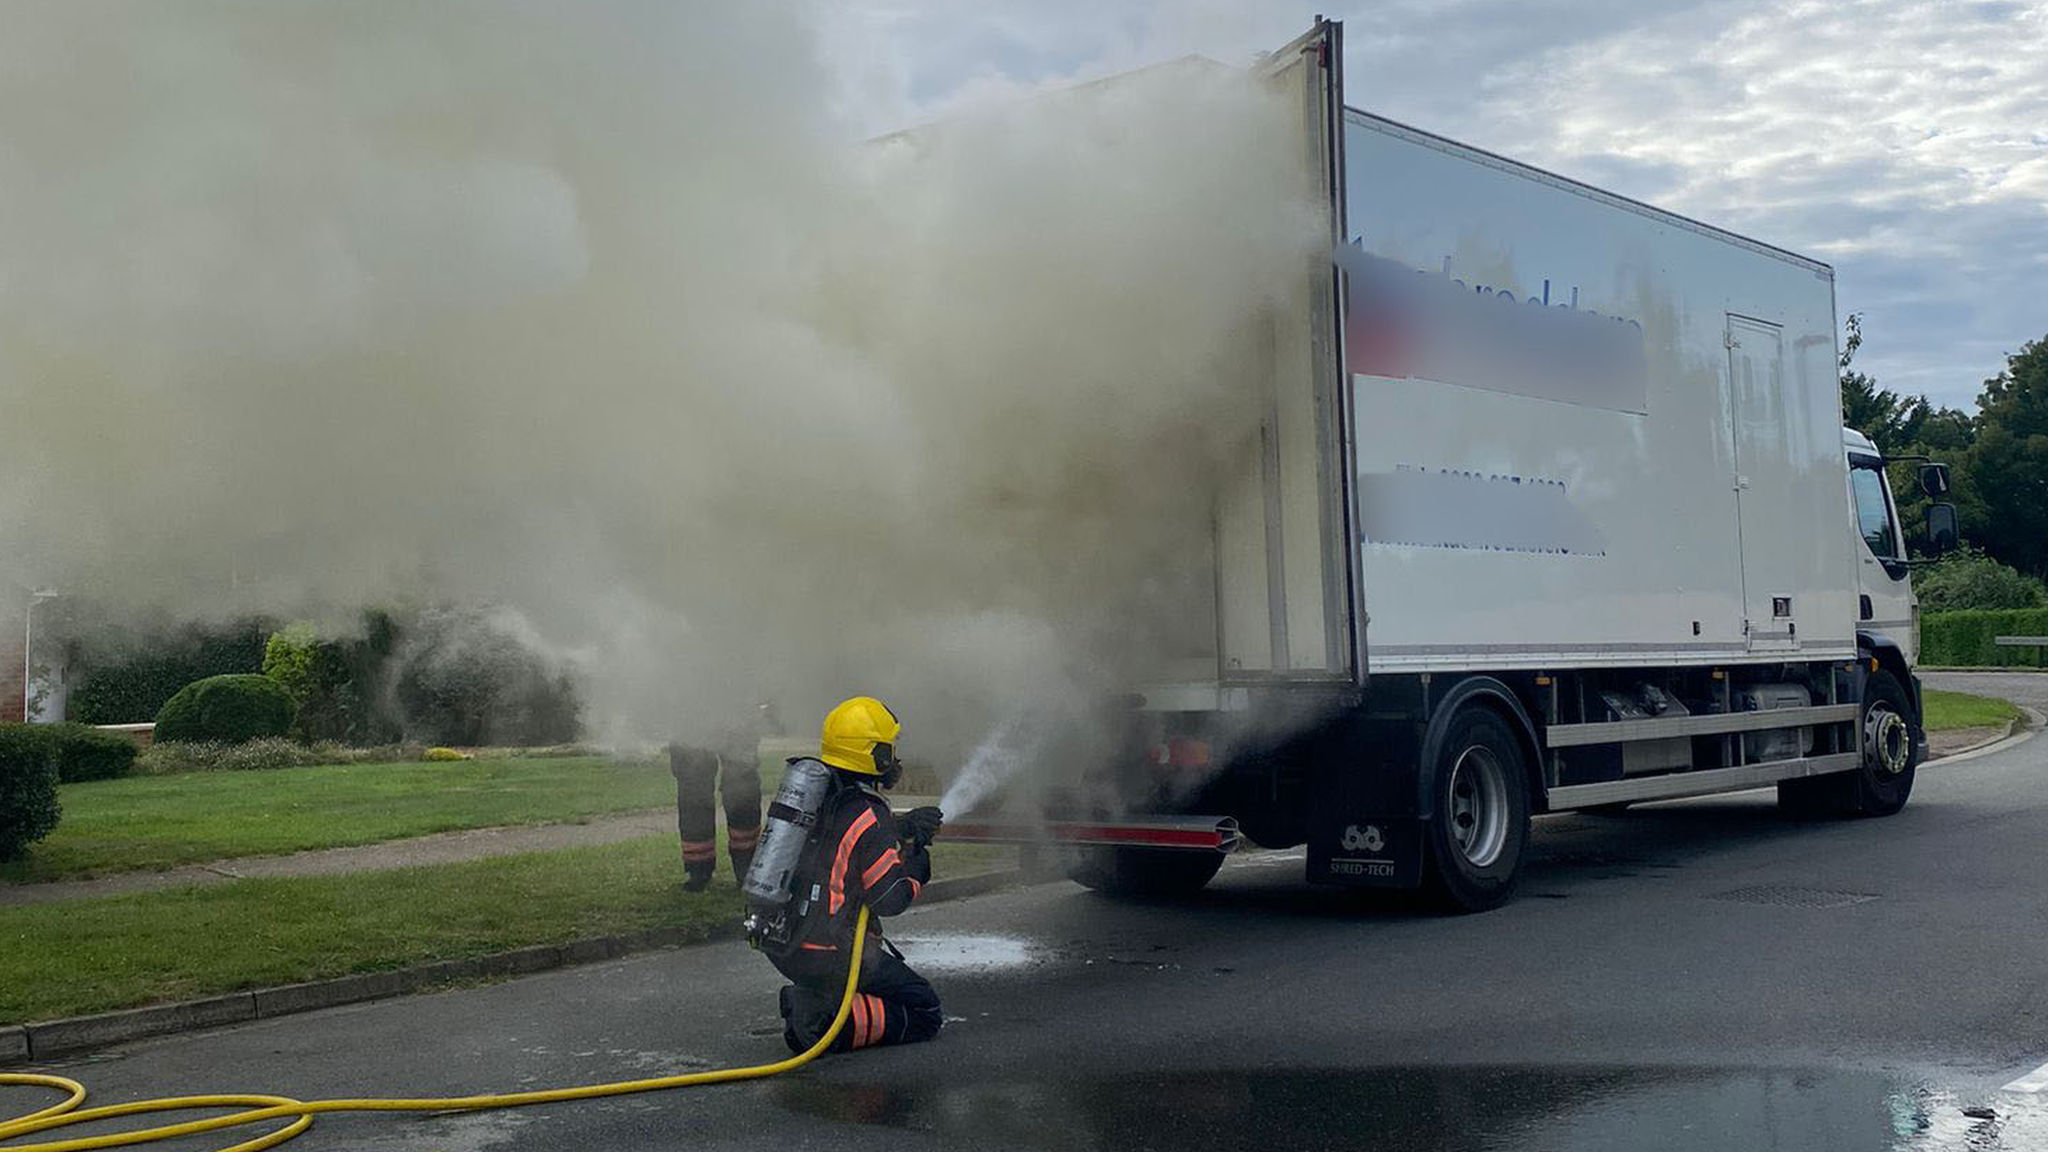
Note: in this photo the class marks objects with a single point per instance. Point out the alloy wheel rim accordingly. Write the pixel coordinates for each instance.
(1478, 806)
(1885, 735)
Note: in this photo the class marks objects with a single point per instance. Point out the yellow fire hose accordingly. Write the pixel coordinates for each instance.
(262, 1107)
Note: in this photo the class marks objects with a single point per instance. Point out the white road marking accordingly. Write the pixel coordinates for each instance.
(2035, 1081)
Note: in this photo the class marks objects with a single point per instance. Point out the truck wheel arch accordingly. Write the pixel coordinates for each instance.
(1890, 658)
(1480, 692)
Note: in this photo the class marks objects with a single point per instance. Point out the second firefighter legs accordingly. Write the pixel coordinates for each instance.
(703, 777)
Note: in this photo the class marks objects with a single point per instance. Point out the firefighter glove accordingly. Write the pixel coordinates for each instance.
(920, 825)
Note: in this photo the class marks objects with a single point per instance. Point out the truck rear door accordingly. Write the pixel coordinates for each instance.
(1288, 602)
(1773, 535)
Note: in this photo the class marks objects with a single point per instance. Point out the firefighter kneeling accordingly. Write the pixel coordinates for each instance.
(831, 846)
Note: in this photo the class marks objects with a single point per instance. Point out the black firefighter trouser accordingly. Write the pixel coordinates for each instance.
(738, 779)
(893, 1006)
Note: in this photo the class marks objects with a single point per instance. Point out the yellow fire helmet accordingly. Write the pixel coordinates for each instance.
(860, 736)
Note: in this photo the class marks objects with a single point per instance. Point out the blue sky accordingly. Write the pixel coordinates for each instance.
(1903, 141)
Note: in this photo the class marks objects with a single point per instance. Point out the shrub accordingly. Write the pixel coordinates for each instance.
(83, 752)
(288, 659)
(335, 681)
(443, 755)
(1965, 638)
(166, 757)
(227, 710)
(265, 753)
(1971, 580)
(28, 788)
(469, 678)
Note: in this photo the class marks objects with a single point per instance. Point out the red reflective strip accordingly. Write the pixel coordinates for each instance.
(860, 1021)
(879, 868)
(742, 838)
(1138, 834)
(1135, 834)
(810, 947)
(844, 856)
(698, 851)
(916, 886)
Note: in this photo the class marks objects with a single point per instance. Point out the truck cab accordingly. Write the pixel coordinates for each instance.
(1886, 606)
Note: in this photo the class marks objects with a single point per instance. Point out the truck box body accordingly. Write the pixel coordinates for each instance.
(1587, 432)
(1577, 431)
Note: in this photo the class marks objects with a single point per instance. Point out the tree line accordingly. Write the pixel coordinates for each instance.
(1998, 455)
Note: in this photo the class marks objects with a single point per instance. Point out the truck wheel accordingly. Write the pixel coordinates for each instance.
(1145, 873)
(1885, 778)
(1479, 821)
(1880, 784)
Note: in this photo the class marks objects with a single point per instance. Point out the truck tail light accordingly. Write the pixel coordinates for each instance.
(1181, 754)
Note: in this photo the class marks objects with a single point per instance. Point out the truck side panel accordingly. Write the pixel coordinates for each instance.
(1588, 434)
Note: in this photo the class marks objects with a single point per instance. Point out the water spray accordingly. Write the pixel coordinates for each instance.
(993, 763)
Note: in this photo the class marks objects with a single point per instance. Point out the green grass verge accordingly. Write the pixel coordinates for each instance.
(1948, 710)
(148, 822)
(79, 956)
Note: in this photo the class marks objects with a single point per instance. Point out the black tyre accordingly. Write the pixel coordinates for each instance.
(1145, 873)
(1879, 785)
(1479, 821)
(1885, 778)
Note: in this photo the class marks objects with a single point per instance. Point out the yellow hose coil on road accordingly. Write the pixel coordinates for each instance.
(263, 1107)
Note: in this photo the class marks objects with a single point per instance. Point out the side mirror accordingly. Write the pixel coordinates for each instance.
(1942, 534)
(1934, 480)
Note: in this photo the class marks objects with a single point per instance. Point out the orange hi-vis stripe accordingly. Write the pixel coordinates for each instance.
(844, 857)
(879, 868)
(874, 1020)
(741, 839)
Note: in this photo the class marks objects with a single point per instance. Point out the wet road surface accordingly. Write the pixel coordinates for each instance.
(1696, 975)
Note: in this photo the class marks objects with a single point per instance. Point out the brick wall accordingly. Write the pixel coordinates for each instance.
(13, 655)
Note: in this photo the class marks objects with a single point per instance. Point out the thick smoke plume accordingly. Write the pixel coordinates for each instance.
(598, 313)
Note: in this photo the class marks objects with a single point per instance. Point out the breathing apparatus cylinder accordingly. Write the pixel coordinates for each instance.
(773, 907)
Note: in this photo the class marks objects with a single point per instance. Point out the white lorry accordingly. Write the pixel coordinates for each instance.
(1554, 511)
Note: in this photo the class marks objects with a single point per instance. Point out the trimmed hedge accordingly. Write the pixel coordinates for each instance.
(1964, 638)
(86, 753)
(28, 788)
(226, 710)
(128, 676)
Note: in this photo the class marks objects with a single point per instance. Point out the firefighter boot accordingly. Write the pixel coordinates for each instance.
(697, 876)
(805, 1017)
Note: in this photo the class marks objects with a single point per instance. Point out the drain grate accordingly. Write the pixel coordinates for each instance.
(1790, 896)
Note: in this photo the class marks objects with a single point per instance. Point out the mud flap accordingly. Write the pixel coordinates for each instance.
(1364, 825)
(1366, 850)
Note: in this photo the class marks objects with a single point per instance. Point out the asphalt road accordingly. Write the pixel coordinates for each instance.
(1689, 976)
